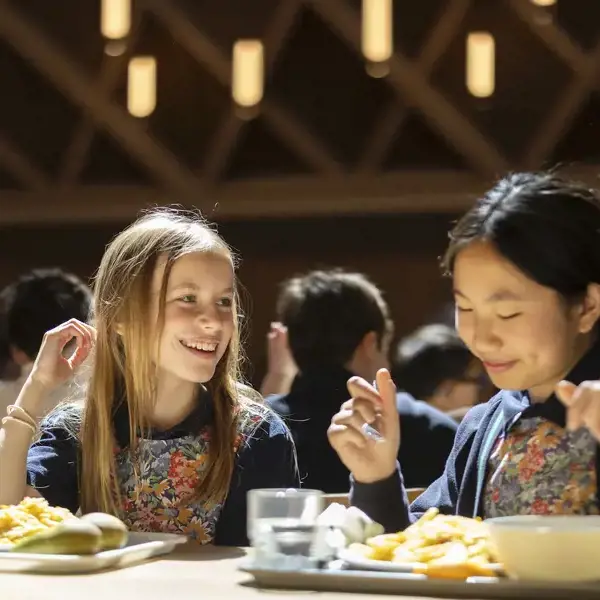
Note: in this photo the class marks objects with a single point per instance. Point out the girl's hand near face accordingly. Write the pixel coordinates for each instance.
(51, 369)
(583, 405)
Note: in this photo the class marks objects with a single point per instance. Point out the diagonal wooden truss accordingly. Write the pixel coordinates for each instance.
(35, 47)
(585, 79)
(395, 115)
(21, 168)
(111, 72)
(290, 130)
(413, 88)
(408, 79)
(277, 33)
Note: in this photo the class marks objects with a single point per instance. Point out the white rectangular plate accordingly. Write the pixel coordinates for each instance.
(140, 547)
(357, 563)
(407, 584)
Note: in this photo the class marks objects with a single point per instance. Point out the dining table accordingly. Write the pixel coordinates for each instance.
(191, 571)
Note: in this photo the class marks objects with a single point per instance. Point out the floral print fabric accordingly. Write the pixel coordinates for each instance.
(541, 468)
(159, 478)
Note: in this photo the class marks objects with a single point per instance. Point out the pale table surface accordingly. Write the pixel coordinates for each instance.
(190, 572)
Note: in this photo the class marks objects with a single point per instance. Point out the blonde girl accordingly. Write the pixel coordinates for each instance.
(169, 439)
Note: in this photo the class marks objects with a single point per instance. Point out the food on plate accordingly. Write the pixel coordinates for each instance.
(28, 518)
(114, 532)
(72, 537)
(444, 546)
(34, 526)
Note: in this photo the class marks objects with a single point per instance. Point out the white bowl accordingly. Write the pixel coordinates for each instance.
(549, 548)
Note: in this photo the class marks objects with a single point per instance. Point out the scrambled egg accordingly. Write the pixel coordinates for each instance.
(30, 517)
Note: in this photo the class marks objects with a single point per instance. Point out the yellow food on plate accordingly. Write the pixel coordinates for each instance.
(36, 527)
(28, 518)
(444, 546)
(71, 537)
(113, 531)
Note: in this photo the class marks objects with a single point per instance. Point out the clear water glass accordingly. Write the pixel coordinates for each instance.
(283, 528)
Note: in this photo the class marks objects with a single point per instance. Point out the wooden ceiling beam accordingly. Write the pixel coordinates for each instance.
(21, 168)
(34, 46)
(446, 192)
(414, 89)
(444, 31)
(411, 191)
(295, 134)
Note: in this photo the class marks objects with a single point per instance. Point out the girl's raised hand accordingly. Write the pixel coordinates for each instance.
(368, 459)
(583, 405)
(51, 369)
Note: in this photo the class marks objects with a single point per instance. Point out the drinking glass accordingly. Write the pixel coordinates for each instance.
(283, 529)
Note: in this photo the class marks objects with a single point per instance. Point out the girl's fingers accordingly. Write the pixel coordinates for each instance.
(341, 435)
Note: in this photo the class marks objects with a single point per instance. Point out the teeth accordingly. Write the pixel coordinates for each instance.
(206, 346)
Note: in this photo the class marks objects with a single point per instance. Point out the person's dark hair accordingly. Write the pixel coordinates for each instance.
(548, 227)
(39, 301)
(428, 357)
(328, 313)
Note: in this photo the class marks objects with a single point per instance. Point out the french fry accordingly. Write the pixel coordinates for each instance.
(440, 546)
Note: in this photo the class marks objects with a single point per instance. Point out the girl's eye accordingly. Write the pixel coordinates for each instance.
(188, 299)
(226, 302)
(463, 310)
(508, 317)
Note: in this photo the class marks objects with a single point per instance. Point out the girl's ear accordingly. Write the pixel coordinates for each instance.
(590, 309)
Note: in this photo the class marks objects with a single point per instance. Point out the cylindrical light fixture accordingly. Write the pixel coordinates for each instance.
(544, 2)
(115, 18)
(141, 86)
(481, 64)
(248, 73)
(377, 30)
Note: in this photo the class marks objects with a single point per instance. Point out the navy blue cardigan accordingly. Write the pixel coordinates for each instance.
(459, 490)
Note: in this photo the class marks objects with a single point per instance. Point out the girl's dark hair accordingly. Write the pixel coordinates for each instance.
(548, 227)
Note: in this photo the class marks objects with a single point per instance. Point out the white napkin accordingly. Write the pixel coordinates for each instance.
(347, 525)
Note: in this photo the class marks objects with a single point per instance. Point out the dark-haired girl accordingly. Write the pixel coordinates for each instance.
(525, 265)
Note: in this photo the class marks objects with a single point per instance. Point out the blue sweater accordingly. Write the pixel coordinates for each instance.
(460, 489)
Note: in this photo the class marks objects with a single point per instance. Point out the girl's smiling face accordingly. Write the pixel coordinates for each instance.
(198, 315)
(527, 335)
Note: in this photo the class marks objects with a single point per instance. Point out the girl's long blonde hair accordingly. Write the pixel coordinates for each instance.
(123, 367)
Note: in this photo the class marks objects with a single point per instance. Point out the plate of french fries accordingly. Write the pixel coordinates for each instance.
(439, 546)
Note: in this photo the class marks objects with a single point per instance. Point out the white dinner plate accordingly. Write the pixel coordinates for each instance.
(359, 563)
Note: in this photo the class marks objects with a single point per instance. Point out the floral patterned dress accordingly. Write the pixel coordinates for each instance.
(158, 480)
(540, 468)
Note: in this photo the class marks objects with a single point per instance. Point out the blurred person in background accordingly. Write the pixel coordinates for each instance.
(434, 365)
(9, 370)
(338, 326)
(37, 302)
(281, 368)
